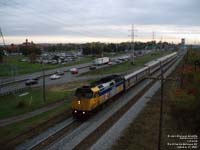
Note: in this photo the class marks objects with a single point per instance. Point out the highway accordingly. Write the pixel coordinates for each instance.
(4, 80)
(67, 77)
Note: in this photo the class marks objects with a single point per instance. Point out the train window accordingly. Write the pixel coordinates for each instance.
(96, 94)
(82, 93)
(111, 84)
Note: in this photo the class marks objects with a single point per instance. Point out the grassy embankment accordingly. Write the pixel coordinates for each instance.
(126, 66)
(13, 66)
(9, 106)
(15, 104)
(12, 130)
(181, 112)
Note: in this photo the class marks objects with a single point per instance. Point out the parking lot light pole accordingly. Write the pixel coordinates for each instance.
(43, 75)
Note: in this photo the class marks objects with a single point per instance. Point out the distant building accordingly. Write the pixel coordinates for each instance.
(182, 45)
(26, 43)
(183, 42)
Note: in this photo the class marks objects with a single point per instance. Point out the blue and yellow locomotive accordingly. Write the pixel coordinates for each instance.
(87, 98)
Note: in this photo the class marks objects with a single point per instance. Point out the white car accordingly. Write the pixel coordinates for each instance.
(54, 76)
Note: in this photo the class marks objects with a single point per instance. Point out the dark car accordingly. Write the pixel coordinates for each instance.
(31, 82)
(92, 67)
(58, 72)
(35, 78)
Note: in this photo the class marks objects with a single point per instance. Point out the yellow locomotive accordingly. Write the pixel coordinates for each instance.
(87, 98)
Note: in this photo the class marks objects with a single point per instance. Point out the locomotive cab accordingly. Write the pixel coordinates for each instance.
(86, 99)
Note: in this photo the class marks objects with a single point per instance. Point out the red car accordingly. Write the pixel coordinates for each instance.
(74, 71)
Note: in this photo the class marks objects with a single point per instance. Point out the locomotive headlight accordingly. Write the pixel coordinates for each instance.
(79, 102)
(83, 112)
(75, 111)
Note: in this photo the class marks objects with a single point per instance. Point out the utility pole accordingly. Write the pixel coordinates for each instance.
(2, 38)
(162, 80)
(153, 39)
(132, 42)
(44, 91)
(4, 46)
(161, 107)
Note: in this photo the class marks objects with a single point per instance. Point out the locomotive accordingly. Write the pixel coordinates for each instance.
(89, 97)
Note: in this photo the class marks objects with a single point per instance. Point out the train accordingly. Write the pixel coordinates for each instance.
(90, 97)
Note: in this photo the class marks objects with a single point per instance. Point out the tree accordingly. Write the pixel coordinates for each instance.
(31, 51)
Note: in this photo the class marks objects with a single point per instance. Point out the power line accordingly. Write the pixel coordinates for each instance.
(2, 37)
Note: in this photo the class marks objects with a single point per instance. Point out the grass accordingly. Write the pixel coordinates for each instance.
(142, 134)
(13, 66)
(126, 66)
(8, 108)
(114, 54)
(14, 104)
(12, 130)
(181, 114)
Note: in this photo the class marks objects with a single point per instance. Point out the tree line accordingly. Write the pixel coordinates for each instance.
(32, 50)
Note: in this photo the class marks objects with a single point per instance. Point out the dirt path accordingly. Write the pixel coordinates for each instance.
(28, 115)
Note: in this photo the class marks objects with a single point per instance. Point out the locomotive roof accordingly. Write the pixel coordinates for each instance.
(107, 79)
(93, 86)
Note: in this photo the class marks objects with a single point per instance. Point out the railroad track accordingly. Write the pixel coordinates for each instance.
(72, 134)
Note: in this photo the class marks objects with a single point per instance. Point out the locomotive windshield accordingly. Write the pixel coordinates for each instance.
(83, 93)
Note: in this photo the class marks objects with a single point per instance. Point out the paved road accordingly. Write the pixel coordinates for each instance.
(36, 74)
(68, 77)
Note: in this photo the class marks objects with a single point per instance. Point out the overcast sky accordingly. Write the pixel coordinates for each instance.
(62, 21)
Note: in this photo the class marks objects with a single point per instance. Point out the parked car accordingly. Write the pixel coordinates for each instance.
(54, 62)
(54, 77)
(31, 82)
(58, 72)
(92, 67)
(74, 71)
(110, 63)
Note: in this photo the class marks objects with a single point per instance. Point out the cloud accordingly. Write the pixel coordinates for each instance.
(94, 18)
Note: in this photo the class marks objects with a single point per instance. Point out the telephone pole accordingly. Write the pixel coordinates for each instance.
(153, 39)
(162, 79)
(44, 86)
(132, 42)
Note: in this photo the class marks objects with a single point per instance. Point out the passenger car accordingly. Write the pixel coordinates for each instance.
(31, 82)
(54, 77)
